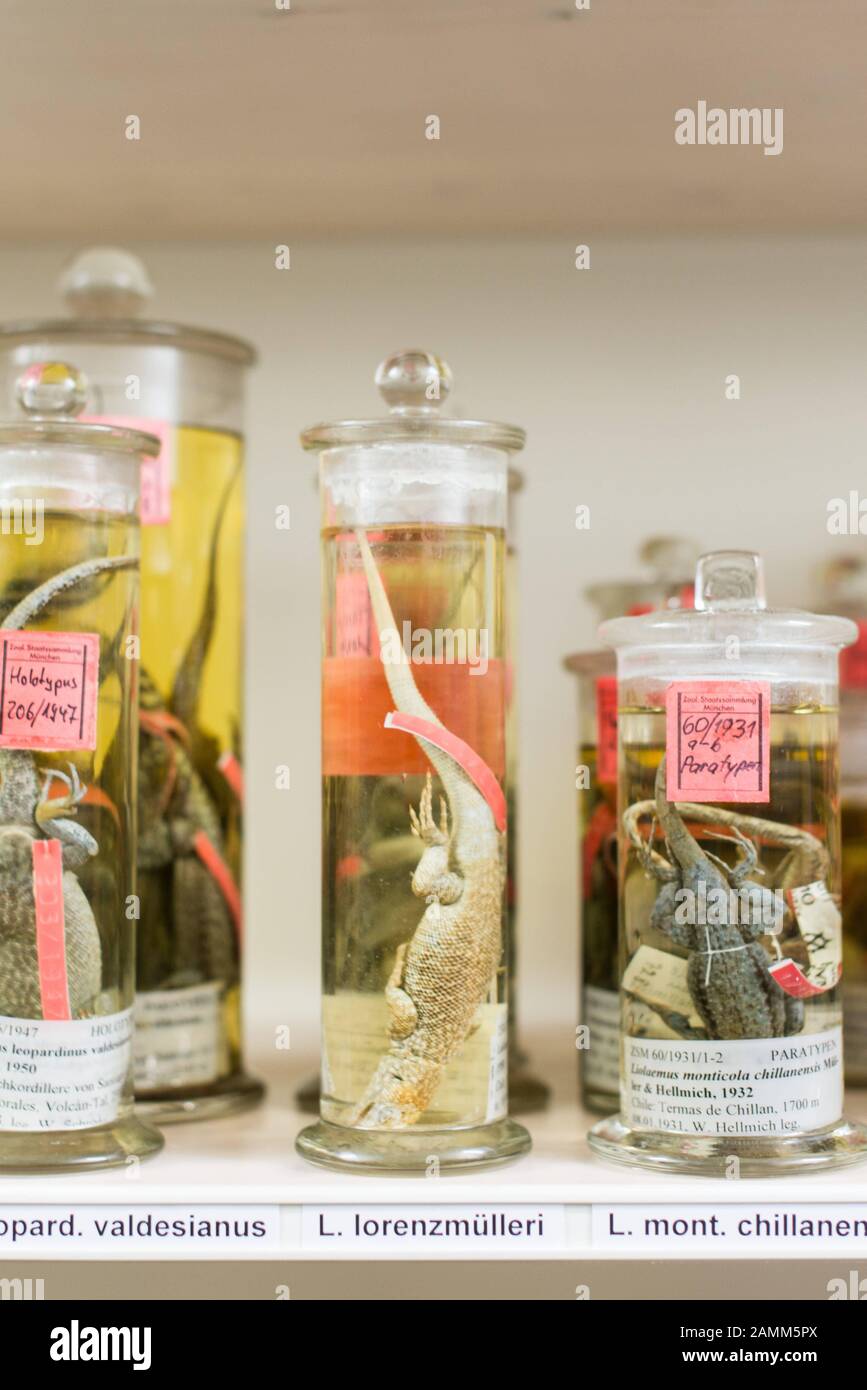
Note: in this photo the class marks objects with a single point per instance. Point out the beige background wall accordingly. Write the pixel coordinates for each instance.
(618, 374)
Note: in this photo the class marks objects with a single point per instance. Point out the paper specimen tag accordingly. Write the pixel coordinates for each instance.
(177, 1037)
(606, 728)
(601, 1060)
(50, 928)
(717, 740)
(155, 507)
(63, 1074)
(498, 1076)
(48, 690)
(659, 979)
(822, 932)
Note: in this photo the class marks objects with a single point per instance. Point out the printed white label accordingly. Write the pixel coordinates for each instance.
(498, 1077)
(434, 1228)
(752, 1086)
(163, 1229)
(63, 1075)
(601, 1060)
(177, 1037)
(798, 1227)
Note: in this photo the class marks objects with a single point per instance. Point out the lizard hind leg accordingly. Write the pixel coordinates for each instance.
(403, 1016)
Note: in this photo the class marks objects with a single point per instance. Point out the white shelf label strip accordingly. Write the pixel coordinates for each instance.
(433, 1228)
(698, 1228)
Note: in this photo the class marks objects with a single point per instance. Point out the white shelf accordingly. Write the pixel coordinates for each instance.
(249, 1162)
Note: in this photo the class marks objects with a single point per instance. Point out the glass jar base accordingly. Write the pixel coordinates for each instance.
(412, 1151)
(600, 1102)
(706, 1156)
(527, 1093)
(227, 1097)
(61, 1151)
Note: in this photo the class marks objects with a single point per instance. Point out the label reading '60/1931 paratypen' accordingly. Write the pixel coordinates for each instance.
(717, 740)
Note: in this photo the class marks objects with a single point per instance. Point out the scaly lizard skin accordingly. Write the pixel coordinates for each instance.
(174, 804)
(728, 977)
(447, 969)
(26, 814)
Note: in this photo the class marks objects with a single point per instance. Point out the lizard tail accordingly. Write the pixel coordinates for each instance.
(31, 606)
(681, 843)
(468, 807)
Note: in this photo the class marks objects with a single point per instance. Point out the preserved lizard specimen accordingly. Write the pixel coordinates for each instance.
(448, 967)
(27, 813)
(732, 988)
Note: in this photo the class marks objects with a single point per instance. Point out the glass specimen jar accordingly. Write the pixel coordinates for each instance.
(186, 386)
(527, 1092)
(729, 862)
(68, 687)
(670, 565)
(414, 1008)
(845, 590)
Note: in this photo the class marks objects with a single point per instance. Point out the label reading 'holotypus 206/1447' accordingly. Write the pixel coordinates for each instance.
(48, 690)
(717, 740)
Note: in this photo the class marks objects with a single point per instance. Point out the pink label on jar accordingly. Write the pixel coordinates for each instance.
(50, 929)
(48, 690)
(606, 728)
(155, 507)
(717, 740)
(853, 662)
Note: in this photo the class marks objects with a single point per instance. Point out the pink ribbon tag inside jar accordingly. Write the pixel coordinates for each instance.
(818, 917)
(50, 929)
(48, 690)
(717, 740)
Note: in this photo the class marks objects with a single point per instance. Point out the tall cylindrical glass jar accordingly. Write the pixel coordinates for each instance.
(186, 386)
(68, 696)
(729, 855)
(414, 1008)
(845, 591)
(527, 1092)
(670, 562)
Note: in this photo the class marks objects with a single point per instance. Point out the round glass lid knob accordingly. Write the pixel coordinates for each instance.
(51, 389)
(413, 381)
(106, 282)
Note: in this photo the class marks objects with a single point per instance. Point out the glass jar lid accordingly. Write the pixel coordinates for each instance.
(106, 289)
(414, 385)
(670, 562)
(729, 602)
(51, 395)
